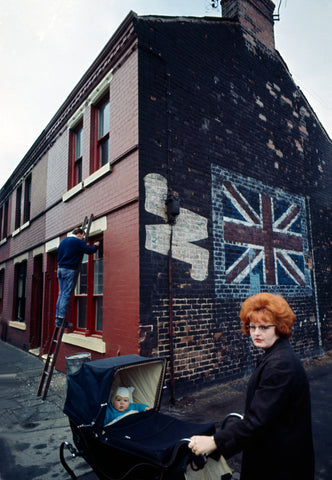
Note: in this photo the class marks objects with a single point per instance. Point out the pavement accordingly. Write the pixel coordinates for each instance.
(32, 429)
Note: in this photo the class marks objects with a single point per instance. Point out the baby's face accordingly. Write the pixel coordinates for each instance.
(121, 403)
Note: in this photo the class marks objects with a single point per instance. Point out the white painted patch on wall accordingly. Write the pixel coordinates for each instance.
(189, 227)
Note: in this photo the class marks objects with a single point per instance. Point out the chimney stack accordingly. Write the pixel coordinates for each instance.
(255, 16)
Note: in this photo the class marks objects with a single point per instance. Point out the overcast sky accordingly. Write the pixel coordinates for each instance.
(47, 45)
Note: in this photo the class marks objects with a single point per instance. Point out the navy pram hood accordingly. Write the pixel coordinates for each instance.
(151, 436)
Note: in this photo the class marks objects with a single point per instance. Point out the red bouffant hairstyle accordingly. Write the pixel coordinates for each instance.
(269, 308)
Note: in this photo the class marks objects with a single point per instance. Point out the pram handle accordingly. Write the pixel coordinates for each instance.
(231, 415)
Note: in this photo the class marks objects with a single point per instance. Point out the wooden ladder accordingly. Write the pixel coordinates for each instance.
(58, 331)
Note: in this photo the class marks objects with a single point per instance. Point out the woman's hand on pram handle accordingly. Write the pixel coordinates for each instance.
(202, 444)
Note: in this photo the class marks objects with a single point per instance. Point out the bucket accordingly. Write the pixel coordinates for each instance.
(74, 362)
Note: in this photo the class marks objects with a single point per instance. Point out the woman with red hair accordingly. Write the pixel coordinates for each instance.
(275, 433)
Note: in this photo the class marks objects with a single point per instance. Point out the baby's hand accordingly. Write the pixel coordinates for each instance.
(147, 408)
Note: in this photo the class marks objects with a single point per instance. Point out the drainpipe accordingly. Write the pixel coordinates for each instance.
(313, 277)
(173, 210)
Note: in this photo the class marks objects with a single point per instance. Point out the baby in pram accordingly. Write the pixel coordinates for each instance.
(149, 445)
(121, 405)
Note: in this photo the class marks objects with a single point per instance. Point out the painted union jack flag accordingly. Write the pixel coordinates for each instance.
(267, 236)
(261, 232)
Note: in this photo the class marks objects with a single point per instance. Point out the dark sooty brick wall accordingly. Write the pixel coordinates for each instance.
(224, 128)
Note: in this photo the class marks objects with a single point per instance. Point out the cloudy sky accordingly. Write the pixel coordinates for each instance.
(47, 45)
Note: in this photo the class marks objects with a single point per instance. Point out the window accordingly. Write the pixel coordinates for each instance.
(27, 199)
(18, 211)
(103, 132)
(20, 281)
(89, 294)
(2, 281)
(3, 220)
(75, 155)
(100, 131)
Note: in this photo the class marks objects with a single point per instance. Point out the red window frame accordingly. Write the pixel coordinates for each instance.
(75, 156)
(1, 221)
(18, 211)
(89, 295)
(2, 283)
(4, 220)
(27, 199)
(20, 291)
(100, 134)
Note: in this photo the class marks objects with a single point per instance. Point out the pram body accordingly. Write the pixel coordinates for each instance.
(144, 446)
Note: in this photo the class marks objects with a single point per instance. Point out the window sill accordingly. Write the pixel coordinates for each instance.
(18, 230)
(72, 192)
(3, 241)
(106, 169)
(16, 324)
(90, 343)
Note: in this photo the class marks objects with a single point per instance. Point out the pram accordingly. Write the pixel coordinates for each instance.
(145, 446)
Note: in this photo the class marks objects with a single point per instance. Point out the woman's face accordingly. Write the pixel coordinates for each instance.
(263, 334)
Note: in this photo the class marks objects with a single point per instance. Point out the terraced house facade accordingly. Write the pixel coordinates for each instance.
(208, 175)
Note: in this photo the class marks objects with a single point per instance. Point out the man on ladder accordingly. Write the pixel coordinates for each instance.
(70, 253)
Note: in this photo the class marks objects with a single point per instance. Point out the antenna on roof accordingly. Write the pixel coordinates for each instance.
(213, 4)
(276, 16)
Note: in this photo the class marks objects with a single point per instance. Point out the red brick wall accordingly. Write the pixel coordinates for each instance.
(121, 282)
(124, 114)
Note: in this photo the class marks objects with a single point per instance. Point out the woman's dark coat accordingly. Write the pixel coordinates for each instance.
(275, 434)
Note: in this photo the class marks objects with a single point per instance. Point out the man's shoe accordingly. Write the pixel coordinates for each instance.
(58, 322)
